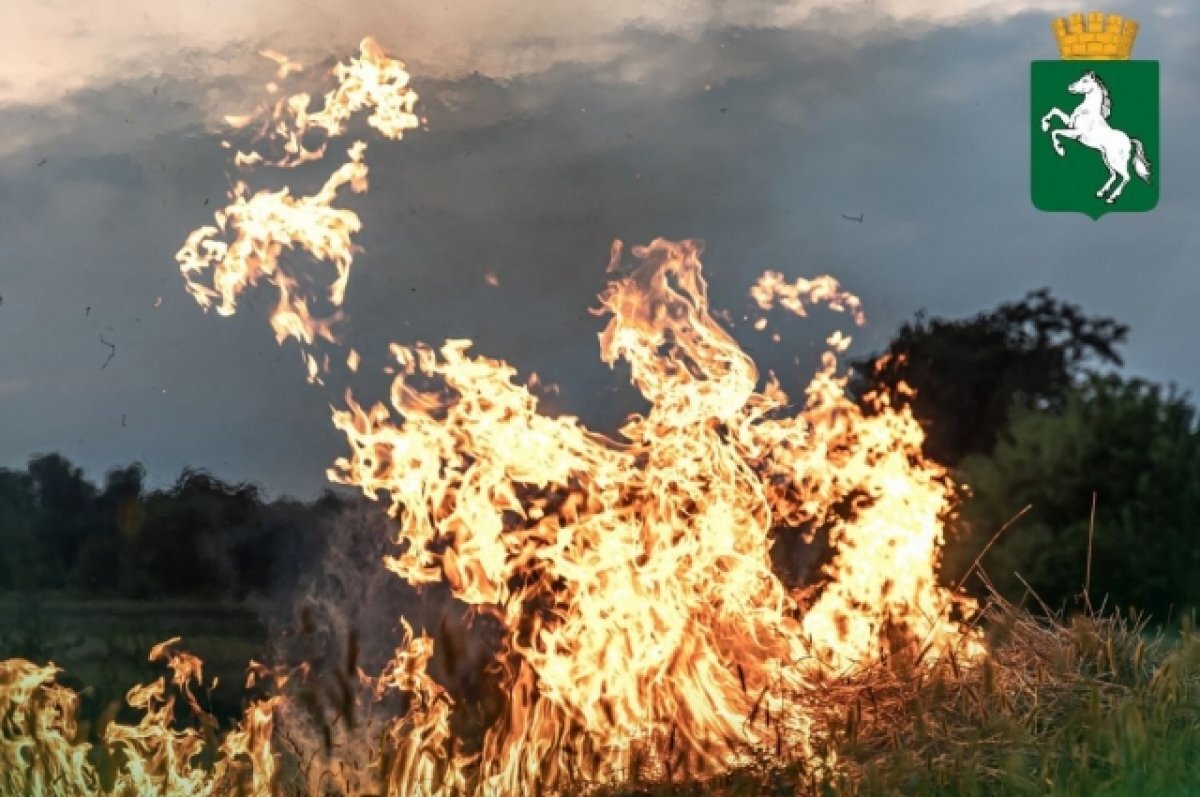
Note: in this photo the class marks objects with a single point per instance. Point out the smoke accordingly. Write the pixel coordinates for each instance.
(529, 178)
(339, 630)
(48, 50)
(347, 594)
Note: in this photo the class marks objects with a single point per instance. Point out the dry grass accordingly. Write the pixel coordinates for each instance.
(1094, 706)
(1090, 707)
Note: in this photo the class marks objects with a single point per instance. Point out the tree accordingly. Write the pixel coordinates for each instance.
(200, 538)
(969, 373)
(1133, 445)
(21, 566)
(181, 547)
(63, 513)
(119, 514)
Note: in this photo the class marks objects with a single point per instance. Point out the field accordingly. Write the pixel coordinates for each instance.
(102, 645)
(1100, 705)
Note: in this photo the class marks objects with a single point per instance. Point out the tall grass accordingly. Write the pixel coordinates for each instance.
(1094, 706)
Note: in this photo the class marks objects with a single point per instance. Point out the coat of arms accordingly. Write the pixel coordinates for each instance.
(1094, 120)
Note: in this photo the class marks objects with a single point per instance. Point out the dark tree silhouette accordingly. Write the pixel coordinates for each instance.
(199, 538)
(969, 373)
(64, 506)
(21, 565)
(119, 515)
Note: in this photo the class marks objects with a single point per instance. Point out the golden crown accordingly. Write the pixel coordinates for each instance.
(1105, 37)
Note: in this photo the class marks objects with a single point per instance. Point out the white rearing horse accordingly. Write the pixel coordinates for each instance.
(1088, 124)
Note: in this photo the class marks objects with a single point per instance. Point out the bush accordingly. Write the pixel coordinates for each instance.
(1137, 449)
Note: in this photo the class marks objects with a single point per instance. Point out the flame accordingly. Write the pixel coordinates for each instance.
(265, 226)
(644, 630)
(373, 80)
(286, 65)
(41, 752)
(773, 288)
(646, 609)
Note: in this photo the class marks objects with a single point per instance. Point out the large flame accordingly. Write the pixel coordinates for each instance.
(644, 630)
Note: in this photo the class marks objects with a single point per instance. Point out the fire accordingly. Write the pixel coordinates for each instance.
(41, 754)
(772, 287)
(634, 575)
(373, 80)
(644, 630)
(254, 232)
(264, 227)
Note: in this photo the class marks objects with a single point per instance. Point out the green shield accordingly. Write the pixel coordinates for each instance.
(1097, 148)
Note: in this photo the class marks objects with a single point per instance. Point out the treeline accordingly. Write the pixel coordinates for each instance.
(1026, 405)
(200, 538)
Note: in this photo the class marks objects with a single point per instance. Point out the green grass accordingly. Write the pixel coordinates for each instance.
(102, 645)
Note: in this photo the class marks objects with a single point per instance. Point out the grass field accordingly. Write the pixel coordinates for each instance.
(102, 645)
(1099, 706)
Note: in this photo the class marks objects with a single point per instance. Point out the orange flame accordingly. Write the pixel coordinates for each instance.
(644, 628)
(264, 227)
(41, 754)
(373, 80)
(634, 576)
(267, 225)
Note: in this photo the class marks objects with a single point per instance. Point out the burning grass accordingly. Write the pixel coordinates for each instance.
(1094, 705)
(641, 633)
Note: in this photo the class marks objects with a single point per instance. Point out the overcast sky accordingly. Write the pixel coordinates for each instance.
(553, 129)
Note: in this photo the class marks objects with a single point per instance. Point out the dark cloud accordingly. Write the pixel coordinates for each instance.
(756, 141)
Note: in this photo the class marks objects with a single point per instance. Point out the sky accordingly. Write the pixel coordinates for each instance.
(553, 129)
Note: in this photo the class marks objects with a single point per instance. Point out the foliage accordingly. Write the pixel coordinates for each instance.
(200, 538)
(1135, 447)
(969, 373)
(1013, 401)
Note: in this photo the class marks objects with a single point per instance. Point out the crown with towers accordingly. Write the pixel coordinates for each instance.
(1095, 36)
